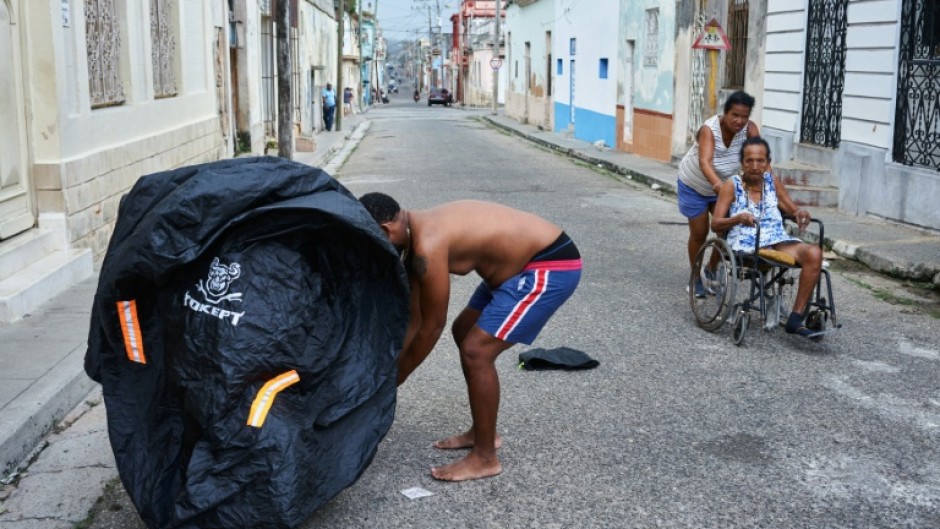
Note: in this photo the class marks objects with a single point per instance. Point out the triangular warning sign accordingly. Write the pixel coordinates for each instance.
(712, 38)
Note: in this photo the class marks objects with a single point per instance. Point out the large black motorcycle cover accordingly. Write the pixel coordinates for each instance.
(245, 329)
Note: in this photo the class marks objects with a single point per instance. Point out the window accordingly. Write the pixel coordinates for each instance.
(651, 57)
(737, 35)
(572, 46)
(103, 40)
(603, 69)
(162, 48)
(559, 69)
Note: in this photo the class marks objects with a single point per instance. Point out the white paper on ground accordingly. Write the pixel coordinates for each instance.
(416, 492)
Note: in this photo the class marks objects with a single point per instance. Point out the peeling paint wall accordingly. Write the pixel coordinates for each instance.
(527, 96)
(318, 60)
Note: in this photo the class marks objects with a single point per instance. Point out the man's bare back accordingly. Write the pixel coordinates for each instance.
(494, 240)
(499, 243)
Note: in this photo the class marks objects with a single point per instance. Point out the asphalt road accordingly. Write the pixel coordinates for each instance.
(677, 427)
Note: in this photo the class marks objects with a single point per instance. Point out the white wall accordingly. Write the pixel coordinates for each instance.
(871, 64)
(783, 80)
(595, 25)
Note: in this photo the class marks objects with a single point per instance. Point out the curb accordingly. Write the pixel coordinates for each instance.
(336, 156)
(36, 411)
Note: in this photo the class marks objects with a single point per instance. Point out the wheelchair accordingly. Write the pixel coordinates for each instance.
(766, 281)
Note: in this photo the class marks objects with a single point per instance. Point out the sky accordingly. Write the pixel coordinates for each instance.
(399, 21)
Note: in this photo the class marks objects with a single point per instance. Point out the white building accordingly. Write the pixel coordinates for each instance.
(528, 67)
(585, 41)
(853, 88)
(95, 94)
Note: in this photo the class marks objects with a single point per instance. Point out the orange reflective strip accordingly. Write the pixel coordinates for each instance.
(130, 328)
(265, 397)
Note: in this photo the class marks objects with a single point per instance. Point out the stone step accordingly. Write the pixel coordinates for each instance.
(20, 251)
(802, 174)
(36, 283)
(815, 155)
(825, 196)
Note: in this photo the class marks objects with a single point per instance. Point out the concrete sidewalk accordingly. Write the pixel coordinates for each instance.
(887, 247)
(45, 479)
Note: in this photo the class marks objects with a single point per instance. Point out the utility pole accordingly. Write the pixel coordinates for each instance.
(341, 109)
(362, 94)
(285, 127)
(496, 56)
(375, 49)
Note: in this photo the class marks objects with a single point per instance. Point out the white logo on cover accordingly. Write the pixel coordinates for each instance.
(215, 290)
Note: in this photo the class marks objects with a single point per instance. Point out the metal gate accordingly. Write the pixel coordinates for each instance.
(825, 73)
(917, 118)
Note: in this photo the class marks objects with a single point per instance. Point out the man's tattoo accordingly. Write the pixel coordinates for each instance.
(419, 265)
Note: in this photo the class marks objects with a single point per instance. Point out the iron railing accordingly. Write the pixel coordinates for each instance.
(917, 118)
(824, 77)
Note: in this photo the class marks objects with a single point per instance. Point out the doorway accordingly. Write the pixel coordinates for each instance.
(16, 213)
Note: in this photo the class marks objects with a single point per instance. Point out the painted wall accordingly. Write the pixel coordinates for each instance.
(527, 97)
(593, 103)
(646, 80)
(85, 159)
(318, 56)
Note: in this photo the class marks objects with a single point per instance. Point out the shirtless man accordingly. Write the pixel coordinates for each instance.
(529, 267)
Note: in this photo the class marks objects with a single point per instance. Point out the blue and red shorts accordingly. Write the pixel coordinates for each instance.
(517, 310)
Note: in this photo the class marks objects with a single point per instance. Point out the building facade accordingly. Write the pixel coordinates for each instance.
(586, 69)
(853, 90)
(528, 68)
(97, 93)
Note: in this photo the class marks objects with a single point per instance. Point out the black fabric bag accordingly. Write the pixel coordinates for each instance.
(560, 358)
(248, 316)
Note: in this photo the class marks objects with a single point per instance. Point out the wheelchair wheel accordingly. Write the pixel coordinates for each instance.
(716, 266)
(742, 319)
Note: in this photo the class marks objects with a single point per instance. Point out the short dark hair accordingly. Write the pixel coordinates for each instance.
(382, 207)
(739, 98)
(755, 140)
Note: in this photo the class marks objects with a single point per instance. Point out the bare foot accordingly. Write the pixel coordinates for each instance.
(464, 440)
(470, 467)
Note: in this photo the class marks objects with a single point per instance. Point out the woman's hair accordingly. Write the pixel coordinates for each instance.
(739, 98)
(382, 207)
(755, 140)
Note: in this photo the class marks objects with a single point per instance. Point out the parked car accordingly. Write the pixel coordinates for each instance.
(439, 96)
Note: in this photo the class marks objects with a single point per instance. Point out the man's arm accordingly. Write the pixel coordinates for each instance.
(431, 278)
(706, 156)
(720, 220)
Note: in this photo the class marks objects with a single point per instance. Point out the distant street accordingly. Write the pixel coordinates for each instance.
(677, 427)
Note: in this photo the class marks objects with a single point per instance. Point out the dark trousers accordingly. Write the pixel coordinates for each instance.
(328, 116)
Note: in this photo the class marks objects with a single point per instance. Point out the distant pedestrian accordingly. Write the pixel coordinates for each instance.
(347, 101)
(329, 106)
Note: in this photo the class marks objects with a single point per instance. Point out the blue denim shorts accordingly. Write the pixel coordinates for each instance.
(691, 203)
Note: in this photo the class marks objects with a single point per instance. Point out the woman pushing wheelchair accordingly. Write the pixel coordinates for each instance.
(756, 197)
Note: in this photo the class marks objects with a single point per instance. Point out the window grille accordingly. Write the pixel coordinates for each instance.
(162, 48)
(103, 41)
(736, 57)
(651, 57)
(917, 118)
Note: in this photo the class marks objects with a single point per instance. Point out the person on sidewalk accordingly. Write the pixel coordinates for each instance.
(529, 268)
(712, 159)
(347, 101)
(329, 106)
(754, 197)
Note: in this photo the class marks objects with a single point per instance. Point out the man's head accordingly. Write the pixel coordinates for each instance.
(390, 217)
(329, 86)
(755, 157)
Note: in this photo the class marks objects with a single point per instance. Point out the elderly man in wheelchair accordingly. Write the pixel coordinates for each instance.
(757, 251)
